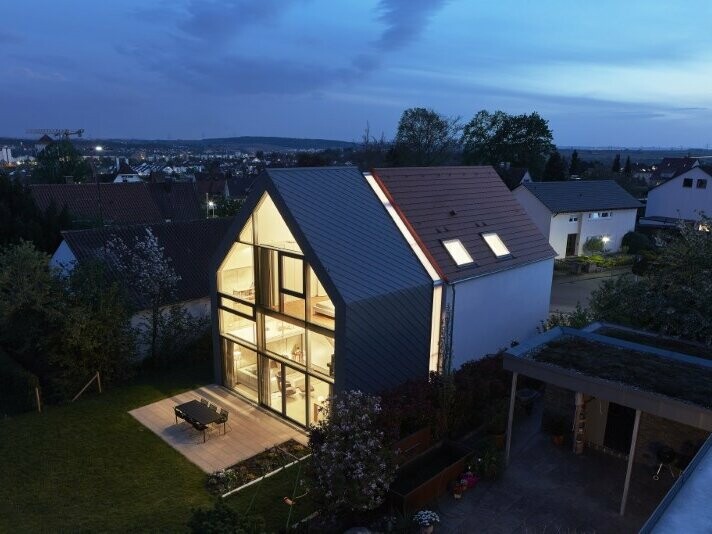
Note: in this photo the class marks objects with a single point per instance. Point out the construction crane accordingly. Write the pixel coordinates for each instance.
(57, 132)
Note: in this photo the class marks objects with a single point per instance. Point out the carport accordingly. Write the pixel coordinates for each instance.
(633, 375)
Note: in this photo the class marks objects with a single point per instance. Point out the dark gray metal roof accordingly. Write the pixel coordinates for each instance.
(347, 230)
(582, 195)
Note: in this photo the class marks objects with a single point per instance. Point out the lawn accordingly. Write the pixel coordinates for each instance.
(89, 466)
(265, 498)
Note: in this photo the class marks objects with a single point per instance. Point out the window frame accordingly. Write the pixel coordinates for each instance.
(500, 241)
(701, 183)
(687, 183)
(458, 243)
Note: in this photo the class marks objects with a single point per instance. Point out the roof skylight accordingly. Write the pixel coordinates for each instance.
(496, 244)
(457, 251)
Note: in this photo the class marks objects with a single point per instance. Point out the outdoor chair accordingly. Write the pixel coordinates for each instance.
(204, 401)
(666, 457)
(178, 414)
(224, 414)
(213, 407)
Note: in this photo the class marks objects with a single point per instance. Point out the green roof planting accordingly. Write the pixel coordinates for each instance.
(636, 368)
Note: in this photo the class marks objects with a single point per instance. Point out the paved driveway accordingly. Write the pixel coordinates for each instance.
(548, 489)
(569, 289)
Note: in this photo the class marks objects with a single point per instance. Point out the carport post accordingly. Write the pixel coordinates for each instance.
(631, 457)
(512, 398)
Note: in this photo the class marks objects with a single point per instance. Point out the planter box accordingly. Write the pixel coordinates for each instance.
(427, 476)
(413, 445)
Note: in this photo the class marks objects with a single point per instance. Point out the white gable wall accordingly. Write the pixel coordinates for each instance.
(493, 310)
(538, 212)
(676, 202)
(63, 258)
(619, 223)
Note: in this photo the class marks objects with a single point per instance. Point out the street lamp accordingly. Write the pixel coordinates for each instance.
(210, 206)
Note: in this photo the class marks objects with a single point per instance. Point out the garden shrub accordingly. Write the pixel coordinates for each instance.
(17, 387)
(636, 242)
(221, 519)
(593, 245)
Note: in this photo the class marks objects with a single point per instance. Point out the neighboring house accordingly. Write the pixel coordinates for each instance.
(513, 176)
(669, 168)
(123, 203)
(330, 279)
(190, 245)
(42, 143)
(126, 174)
(570, 213)
(686, 196)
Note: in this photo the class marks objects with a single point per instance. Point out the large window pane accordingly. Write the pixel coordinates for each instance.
(284, 339)
(246, 233)
(321, 309)
(269, 281)
(321, 353)
(293, 306)
(236, 276)
(238, 327)
(270, 228)
(273, 384)
(239, 307)
(319, 393)
(295, 391)
(241, 369)
(293, 274)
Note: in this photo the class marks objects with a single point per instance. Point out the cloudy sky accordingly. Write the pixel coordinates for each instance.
(633, 73)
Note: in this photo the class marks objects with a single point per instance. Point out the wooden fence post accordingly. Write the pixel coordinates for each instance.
(37, 398)
(98, 380)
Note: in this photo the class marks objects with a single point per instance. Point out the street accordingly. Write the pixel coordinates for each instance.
(569, 289)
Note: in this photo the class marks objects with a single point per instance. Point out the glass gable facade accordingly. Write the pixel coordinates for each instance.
(276, 320)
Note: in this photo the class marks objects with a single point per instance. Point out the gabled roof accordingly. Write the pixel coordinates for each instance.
(121, 203)
(177, 201)
(190, 245)
(210, 186)
(342, 228)
(671, 167)
(125, 168)
(582, 195)
(240, 186)
(512, 176)
(442, 203)
(707, 169)
(44, 140)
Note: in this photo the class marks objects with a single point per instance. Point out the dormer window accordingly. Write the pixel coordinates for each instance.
(457, 252)
(496, 244)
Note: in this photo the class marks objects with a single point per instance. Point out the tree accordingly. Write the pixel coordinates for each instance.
(575, 166)
(21, 219)
(148, 272)
(59, 161)
(521, 140)
(673, 296)
(425, 138)
(616, 167)
(628, 169)
(311, 159)
(352, 466)
(555, 169)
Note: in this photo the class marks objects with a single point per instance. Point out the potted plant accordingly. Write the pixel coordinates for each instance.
(558, 429)
(426, 520)
(497, 426)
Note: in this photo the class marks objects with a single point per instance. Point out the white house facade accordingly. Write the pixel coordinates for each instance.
(686, 197)
(571, 213)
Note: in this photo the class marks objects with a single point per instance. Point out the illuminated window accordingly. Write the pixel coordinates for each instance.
(457, 251)
(496, 244)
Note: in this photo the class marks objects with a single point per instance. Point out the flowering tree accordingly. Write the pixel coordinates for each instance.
(352, 466)
(148, 272)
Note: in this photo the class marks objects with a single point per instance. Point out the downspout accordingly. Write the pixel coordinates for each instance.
(452, 322)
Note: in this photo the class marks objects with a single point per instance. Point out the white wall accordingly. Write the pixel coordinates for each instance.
(561, 227)
(614, 227)
(63, 258)
(672, 200)
(492, 311)
(538, 212)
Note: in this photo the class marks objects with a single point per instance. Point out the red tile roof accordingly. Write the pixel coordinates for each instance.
(441, 203)
(121, 203)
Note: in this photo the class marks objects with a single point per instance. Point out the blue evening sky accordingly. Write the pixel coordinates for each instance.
(604, 72)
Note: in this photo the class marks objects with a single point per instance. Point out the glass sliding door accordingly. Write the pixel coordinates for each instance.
(241, 373)
(272, 384)
(319, 393)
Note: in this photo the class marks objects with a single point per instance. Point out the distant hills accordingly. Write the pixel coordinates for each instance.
(243, 143)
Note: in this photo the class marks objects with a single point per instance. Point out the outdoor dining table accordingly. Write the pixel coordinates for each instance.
(199, 415)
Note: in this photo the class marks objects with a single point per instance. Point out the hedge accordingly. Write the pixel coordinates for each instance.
(17, 387)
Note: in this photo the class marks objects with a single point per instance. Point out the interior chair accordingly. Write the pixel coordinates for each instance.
(666, 457)
(204, 401)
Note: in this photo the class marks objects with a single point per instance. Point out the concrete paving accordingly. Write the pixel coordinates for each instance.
(569, 289)
(251, 430)
(550, 489)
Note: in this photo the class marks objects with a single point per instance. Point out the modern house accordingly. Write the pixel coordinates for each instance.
(669, 168)
(330, 279)
(685, 197)
(125, 173)
(570, 213)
